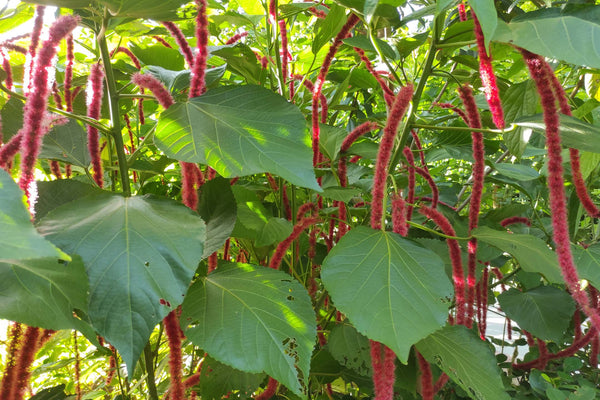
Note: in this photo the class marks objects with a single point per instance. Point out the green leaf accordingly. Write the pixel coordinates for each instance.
(137, 251)
(329, 27)
(488, 19)
(251, 214)
(43, 292)
(364, 42)
(274, 231)
(177, 81)
(350, 348)
(55, 393)
(531, 252)
(218, 379)
(67, 143)
(573, 37)
(399, 293)
(338, 193)
(170, 59)
(218, 209)
(574, 133)
(272, 310)
(330, 140)
(12, 118)
(588, 263)
(19, 239)
(545, 311)
(369, 9)
(240, 131)
(519, 100)
(241, 60)
(53, 194)
(467, 360)
(150, 9)
(517, 171)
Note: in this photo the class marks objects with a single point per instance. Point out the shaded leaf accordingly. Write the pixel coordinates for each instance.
(488, 19)
(53, 194)
(67, 143)
(137, 251)
(218, 209)
(274, 231)
(239, 131)
(55, 393)
(519, 100)
(170, 59)
(151, 9)
(400, 290)
(19, 239)
(545, 311)
(350, 348)
(43, 292)
(573, 37)
(218, 379)
(588, 263)
(269, 306)
(467, 360)
(517, 171)
(531, 252)
(12, 118)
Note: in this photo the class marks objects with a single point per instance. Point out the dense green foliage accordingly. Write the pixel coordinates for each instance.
(109, 257)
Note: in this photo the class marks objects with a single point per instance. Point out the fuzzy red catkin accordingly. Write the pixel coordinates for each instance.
(462, 12)
(594, 351)
(55, 169)
(558, 205)
(9, 150)
(357, 132)
(189, 195)
(457, 110)
(440, 383)
(388, 93)
(399, 215)
(515, 220)
(269, 390)
(282, 248)
(94, 95)
(484, 302)
(182, 43)
(198, 84)
(159, 91)
(112, 367)
(305, 208)
(129, 54)
(13, 47)
(419, 147)
(385, 152)
(382, 361)
(26, 356)
(176, 386)
(213, 261)
(37, 101)
(162, 41)
(473, 117)
(488, 78)
(286, 203)
(14, 338)
(56, 96)
(36, 31)
(342, 34)
(426, 378)
(435, 194)
(285, 55)
(8, 81)
(322, 99)
(543, 351)
(235, 38)
(458, 276)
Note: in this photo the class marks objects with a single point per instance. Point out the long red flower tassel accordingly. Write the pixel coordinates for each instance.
(37, 101)
(476, 193)
(172, 330)
(426, 378)
(343, 33)
(27, 352)
(182, 43)
(197, 85)
(558, 205)
(95, 92)
(488, 79)
(15, 336)
(69, 74)
(36, 31)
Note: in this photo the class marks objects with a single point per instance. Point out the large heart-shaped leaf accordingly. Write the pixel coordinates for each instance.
(573, 37)
(271, 309)
(19, 239)
(350, 349)
(545, 311)
(467, 360)
(43, 292)
(399, 293)
(531, 252)
(239, 131)
(574, 132)
(139, 253)
(67, 143)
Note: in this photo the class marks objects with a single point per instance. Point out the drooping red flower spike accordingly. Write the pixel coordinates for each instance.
(457, 110)
(474, 119)
(558, 206)
(236, 38)
(94, 95)
(29, 347)
(342, 34)
(37, 101)
(357, 132)
(458, 276)
(285, 54)
(419, 147)
(425, 174)
(386, 146)
(462, 12)
(198, 84)
(172, 330)
(69, 74)
(8, 81)
(36, 31)
(388, 93)
(189, 174)
(483, 303)
(282, 248)
(399, 215)
(159, 91)
(382, 361)
(322, 99)
(14, 339)
(162, 41)
(488, 79)
(269, 390)
(426, 378)
(182, 43)
(515, 220)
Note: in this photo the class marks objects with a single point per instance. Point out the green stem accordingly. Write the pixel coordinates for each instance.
(461, 128)
(427, 229)
(150, 379)
(113, 102)
(82, 118)
(375, 44)
(456, 44)
(427, 68)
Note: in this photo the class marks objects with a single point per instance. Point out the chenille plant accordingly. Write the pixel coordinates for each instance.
(299, 199)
